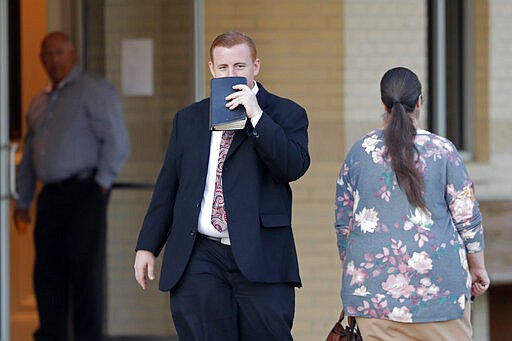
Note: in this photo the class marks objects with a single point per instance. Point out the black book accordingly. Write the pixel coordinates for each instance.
(221, 117)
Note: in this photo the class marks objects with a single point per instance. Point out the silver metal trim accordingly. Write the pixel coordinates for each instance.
(439, 81)
(469, 78)
(4, 181)
(199, 91)
(12, 171)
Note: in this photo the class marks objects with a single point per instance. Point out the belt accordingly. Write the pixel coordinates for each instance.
(223, 240)
(74, 179)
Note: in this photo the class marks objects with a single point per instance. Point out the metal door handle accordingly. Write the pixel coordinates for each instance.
(12, 171)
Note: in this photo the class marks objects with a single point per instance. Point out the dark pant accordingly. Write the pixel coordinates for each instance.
(214, 301)
(69, 239)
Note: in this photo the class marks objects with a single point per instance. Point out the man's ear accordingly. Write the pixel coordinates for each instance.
(210, 66)
(256, 65)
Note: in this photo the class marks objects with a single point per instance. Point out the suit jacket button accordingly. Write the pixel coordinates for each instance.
(193, 232)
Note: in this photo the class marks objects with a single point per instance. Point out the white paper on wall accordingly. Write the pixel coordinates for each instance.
(137, 67)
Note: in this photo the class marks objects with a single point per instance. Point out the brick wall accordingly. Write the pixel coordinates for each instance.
(379, 35)
(328, 56)
(300, 44)
(295, 64)
(303, 59)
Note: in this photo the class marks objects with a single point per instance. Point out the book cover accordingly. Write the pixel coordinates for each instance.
(221, 117)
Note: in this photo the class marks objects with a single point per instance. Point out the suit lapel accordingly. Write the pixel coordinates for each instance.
(240, 136)
(203, 136)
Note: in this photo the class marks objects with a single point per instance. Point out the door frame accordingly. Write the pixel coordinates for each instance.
(4, 176)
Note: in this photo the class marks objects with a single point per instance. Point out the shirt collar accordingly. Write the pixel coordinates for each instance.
(255, 88)
(73, 75)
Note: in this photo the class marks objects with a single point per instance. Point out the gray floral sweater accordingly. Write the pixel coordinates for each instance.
(401, 263)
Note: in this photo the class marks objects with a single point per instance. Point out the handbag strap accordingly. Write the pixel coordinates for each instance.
(352, 321)
(353, 328)
(342, 315)
(338, 328)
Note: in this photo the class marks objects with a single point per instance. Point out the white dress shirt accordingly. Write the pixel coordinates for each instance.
(205, 216)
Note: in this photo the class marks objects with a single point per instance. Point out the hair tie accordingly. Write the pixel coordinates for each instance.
(396, 101)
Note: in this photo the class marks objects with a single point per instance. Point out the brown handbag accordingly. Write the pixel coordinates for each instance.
(349, 333)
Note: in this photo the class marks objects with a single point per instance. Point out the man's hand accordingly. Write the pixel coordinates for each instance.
(104, 190)
(244, 96)
(21, 220)
(144, 267)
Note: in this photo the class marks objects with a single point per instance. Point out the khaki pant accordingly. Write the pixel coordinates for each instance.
(385, 330)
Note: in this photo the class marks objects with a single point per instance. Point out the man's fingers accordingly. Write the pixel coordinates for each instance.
(151, 271)
(246, 98)
(239, 87)
(144, 267)
(140, 277)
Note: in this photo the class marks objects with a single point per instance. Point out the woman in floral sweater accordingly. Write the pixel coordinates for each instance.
(408, 226)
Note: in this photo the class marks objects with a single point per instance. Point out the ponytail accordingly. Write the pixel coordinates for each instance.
(400, 91)
(399, 139)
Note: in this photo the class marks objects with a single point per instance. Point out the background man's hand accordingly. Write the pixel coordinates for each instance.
(21, 220)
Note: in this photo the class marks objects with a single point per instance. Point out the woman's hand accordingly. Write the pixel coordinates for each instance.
(479, 282)
(479, 278)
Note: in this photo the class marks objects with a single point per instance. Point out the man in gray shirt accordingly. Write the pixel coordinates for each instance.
(76, 144)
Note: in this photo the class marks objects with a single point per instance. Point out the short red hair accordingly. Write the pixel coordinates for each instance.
(230, 39)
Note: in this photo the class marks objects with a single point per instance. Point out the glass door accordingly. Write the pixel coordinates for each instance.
(146, 50)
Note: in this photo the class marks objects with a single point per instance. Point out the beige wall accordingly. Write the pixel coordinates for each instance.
(328, 56)
(294, 62)
(379, 35)
(300, 44)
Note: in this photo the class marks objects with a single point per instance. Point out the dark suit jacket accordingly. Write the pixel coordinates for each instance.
(258, 200)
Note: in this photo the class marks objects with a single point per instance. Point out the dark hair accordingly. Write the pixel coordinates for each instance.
(400, 90)
(230, 39)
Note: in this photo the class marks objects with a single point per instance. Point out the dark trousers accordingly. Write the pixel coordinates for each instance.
(214, 301)
(69, 239)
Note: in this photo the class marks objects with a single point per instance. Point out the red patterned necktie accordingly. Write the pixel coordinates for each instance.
(218, 212)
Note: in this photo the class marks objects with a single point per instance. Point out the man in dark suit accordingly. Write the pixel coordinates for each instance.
(222, 203)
